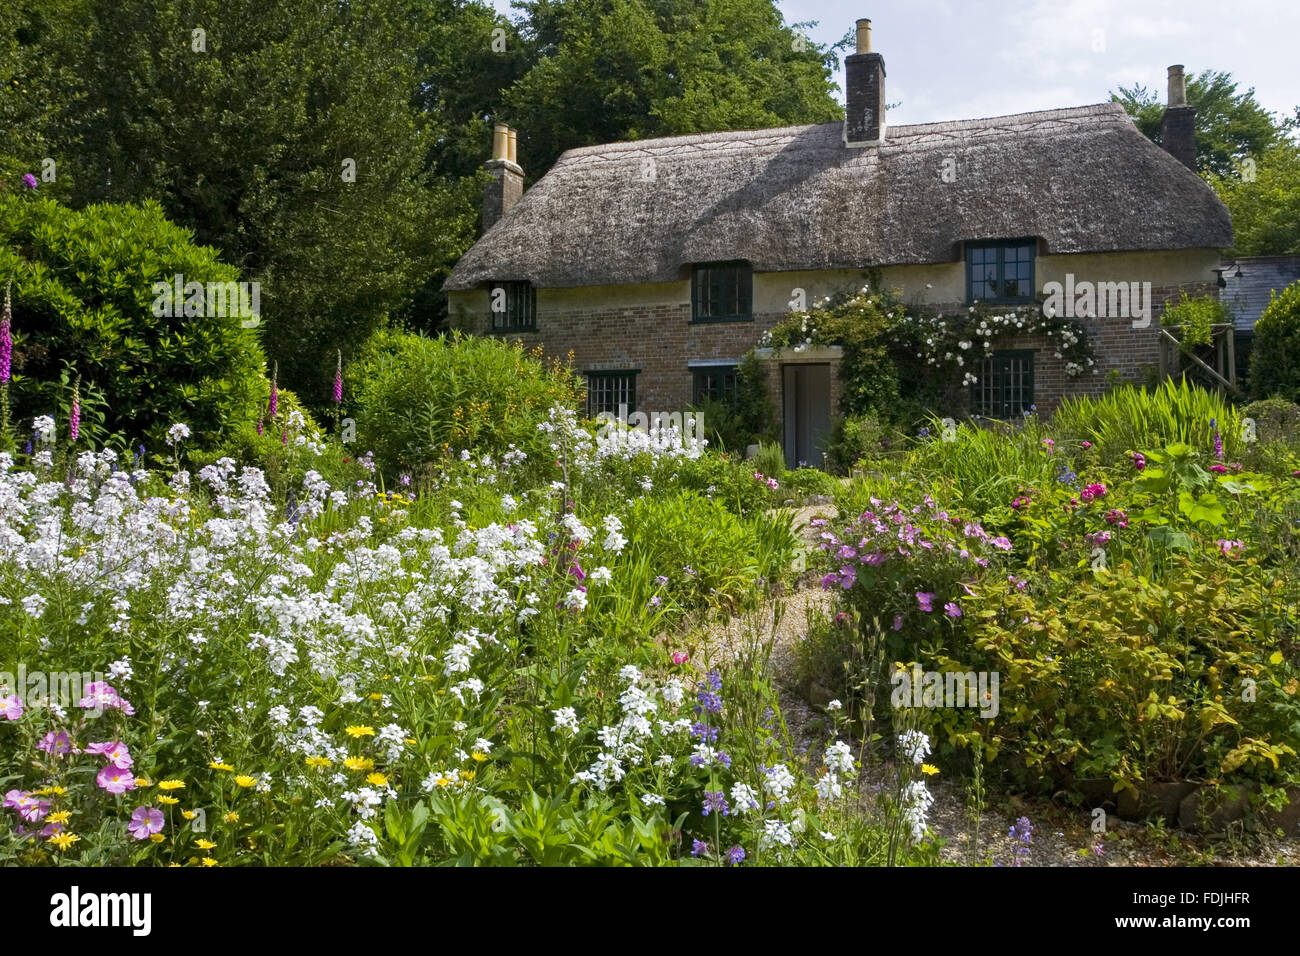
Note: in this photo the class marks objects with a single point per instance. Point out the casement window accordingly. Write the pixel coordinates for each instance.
(1000, 272)
(1006, 385)
(714, 382)
(722, 292)
(513, 306)
(606, 391)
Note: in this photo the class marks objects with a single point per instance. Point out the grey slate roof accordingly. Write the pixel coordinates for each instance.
(1248, 296)
(1085, 179)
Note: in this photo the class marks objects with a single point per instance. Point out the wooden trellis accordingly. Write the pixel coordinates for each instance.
(1213, 365)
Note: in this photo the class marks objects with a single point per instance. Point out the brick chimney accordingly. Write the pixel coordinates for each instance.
(506, 186)
(864, 93)
(1178, 125)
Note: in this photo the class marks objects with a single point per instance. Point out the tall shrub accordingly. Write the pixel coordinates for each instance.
(419, 399)
(83, 300)
(1275, 355)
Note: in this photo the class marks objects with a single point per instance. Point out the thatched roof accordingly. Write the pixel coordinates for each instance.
(1083, 179)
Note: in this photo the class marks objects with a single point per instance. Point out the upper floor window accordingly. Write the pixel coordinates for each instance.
(513, 306)
(722, 292)
(1000, 271)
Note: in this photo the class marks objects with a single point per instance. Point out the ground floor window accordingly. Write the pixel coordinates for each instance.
(713, 382)
(606, 391)
(1006, 385)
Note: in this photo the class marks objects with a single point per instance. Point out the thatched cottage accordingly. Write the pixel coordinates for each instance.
(660, 263)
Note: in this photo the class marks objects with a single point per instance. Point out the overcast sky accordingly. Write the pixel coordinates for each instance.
(963, 59)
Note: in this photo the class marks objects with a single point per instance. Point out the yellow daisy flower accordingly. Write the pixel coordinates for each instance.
(377, 779)
(166, 800)
(220, 766)
(188, 814)
(63, 840)
(61, 817)
(243, 780)
(204, 844)
(929, 770)
(359, 763)
(143, 782)
(319, 762)
(231, 817)
(479, 756)
(357, 730)
(208, 861)
(157, 837)
(171, 785)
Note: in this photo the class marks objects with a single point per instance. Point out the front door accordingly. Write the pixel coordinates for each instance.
(806, 396)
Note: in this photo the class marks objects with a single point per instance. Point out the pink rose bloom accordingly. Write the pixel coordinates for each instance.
(115, 780)
(145, 821)
(680, 657)
(923, 599)
(11, 707)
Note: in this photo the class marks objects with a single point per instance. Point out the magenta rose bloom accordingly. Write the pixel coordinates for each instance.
(145, 822)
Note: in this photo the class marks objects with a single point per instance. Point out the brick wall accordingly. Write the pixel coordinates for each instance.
(658, 340)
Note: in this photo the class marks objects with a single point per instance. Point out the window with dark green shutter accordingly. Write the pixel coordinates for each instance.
(722, 292)
(1000, 272)
(1006, 385)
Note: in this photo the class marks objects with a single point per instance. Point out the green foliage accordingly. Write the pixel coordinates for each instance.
(1129, 418)
(770, 460)
(419, 399)
(83, 301)
(1197, 317)
(858, 439)
(1266, 208)
(631, 69)
(1275, 355)
(1275, 419)
(1230, 126)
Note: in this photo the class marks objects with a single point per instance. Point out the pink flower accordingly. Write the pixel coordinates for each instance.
(1116, 517)
(1049, 445)
(145, 821)
(680, 658)
(1231, 549)
(1087, 444)
(115, 780)
(1097, 539)
(11, 707)
(338, 381)
(898, 622)
(1139, 460)
(848, 575)
(952, 609)
(923, 598)
(56, 744)
(1093, 491)
(29, 807)
(1219, 469)
(29, 181)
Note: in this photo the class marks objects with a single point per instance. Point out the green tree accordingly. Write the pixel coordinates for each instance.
(1230, 126)
(1264, 199)
(610, 70)
(288, 136)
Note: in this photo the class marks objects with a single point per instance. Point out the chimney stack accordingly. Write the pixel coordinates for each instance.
(864, 93)
(1178, 125)
(506, 186)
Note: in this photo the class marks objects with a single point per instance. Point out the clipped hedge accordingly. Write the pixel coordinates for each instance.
(83, 301)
